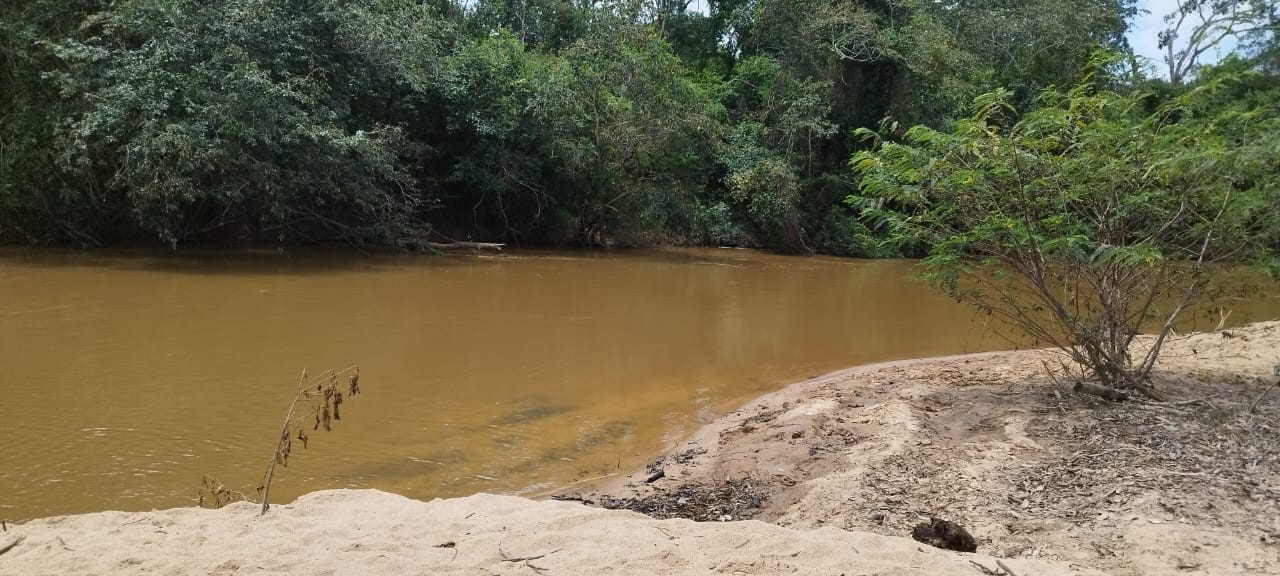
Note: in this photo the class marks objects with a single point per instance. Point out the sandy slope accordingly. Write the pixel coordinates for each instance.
(1190, 487)
(371, 532)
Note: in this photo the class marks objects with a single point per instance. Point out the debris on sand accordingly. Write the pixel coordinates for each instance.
(944, 534)
(999, 444)
(728, 501)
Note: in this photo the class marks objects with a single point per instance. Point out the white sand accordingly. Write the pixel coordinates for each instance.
(370, 532)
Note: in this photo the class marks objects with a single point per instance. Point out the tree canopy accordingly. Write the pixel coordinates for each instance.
(388, 122)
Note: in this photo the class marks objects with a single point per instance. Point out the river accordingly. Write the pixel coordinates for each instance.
(128, 376)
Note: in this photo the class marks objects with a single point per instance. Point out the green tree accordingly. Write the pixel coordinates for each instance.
(499, 151)
(261, 116)
(551, 25)
(623, 123)
(1030, 45)
(783, 123)
(1088, 219)
(38, 202)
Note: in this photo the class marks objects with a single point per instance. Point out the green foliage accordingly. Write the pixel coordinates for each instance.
(548, 24)
(36, 201)
(1030, 45)
(763, 184)
(716, 225)
(1087, 219)
(197, 115)
(540, 121)
(621, 122)
(500, 147)
(844, 234)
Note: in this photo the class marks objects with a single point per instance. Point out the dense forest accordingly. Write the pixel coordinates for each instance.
(561, 122)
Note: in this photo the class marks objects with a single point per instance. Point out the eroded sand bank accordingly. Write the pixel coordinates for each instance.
(1000, 444)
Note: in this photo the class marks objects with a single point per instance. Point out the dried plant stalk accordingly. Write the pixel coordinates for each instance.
(214, 494)
(325, 398)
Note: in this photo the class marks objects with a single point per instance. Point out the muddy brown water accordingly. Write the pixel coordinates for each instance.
(127, 376)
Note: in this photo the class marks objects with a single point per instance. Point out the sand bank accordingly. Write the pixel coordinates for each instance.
(370, 532)
(1000, 444)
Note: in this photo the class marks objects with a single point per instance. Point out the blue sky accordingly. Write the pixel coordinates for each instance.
(1142, 35)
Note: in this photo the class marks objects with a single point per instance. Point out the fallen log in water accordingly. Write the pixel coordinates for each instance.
(466, 246)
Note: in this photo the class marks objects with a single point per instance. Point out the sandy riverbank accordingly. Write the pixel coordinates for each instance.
(368, 532)
(994, 442)
(835, 470)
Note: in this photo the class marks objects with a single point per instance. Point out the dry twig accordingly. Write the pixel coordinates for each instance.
(505, 558)
(11, 545)
(1005, 567)
(527, 559)
(1253, 405)
(984, 569)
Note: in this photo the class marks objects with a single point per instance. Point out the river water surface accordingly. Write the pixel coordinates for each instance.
(128, 377)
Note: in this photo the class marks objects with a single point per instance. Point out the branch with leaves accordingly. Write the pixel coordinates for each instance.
(1087, 221)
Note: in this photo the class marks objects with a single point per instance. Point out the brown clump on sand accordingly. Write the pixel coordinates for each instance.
(1000, 445)
(944, 534)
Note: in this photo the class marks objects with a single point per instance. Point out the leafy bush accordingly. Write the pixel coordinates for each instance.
(1087, 220)
(842, 233)
(197, 115)
(716, 226)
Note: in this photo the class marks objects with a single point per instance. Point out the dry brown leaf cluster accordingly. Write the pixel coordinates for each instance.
(325, 395)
